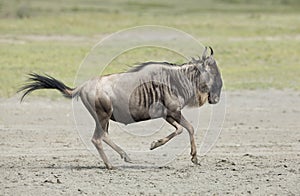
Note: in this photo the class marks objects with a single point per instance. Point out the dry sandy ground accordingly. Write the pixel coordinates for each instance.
(257, 153)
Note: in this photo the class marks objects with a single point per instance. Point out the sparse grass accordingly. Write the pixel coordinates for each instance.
(256, 43)
(61, 60)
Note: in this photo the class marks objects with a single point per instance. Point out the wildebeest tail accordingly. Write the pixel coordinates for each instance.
(36, 82)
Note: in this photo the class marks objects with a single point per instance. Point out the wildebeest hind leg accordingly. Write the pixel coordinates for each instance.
(97, 141)
(117, 148)
(164, 140)
(104, 112)
(99, 132)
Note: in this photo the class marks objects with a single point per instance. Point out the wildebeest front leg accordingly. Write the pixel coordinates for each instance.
(164, 140)
(191, 131)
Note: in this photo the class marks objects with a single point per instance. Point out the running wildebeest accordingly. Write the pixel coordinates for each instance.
(150, 90)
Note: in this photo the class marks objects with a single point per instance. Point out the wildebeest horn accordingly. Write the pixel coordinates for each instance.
(211, 51)
(204, 53)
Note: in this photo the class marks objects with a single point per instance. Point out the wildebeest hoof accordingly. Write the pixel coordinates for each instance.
(110, 167)
(195, 160)
(127, 159)
(155, 144)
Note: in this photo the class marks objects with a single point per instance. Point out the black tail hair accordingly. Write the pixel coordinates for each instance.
(36, 81)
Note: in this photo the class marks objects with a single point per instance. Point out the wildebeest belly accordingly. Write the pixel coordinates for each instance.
(130, 113)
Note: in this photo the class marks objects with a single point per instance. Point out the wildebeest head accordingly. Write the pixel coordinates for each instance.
(211, 81)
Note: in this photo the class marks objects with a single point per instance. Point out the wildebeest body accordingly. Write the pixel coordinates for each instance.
(155, 91)
(148, 91)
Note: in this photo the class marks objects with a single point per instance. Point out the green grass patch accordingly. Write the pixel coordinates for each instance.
(58, 59)
(256, 43)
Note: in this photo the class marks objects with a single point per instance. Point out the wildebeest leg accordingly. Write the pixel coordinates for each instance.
(104, 111)
(118, 149)
(97, 141)
(98, 133)
(191, 131)
(164, 140)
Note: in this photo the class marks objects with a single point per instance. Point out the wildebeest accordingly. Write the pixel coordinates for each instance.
(150, 90)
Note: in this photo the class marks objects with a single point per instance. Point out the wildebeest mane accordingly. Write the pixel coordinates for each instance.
(140, 66)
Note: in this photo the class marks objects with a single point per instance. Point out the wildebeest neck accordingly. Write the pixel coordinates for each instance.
(182, 80)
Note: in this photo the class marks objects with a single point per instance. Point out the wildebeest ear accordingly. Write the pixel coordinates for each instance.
(204, 53)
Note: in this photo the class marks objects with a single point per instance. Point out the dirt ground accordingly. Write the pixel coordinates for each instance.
(257, 152)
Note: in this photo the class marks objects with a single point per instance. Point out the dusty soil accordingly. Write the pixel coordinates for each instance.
(257, 153)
